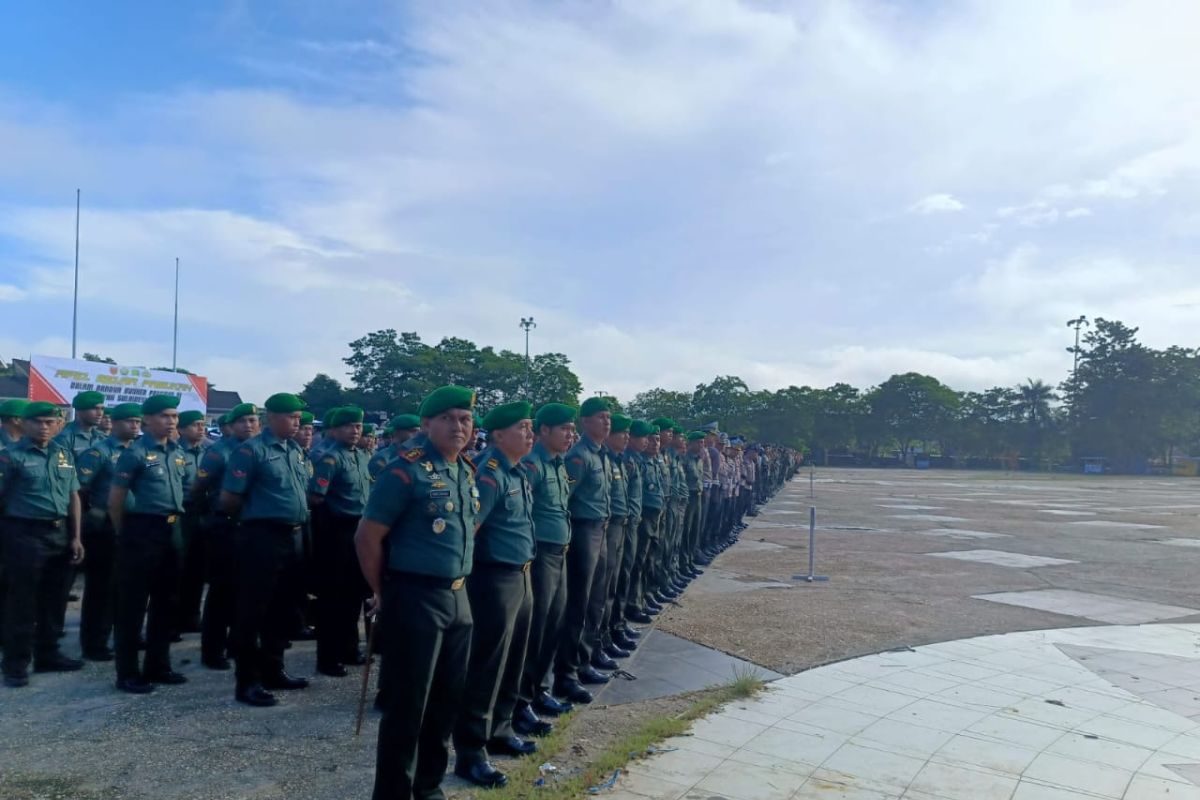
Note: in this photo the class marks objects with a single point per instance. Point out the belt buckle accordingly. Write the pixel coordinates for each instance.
(171, 519)
(457, 583)
(525, 566)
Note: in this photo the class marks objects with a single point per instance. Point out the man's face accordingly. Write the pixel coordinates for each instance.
(243, 427)
(161, 425)
(126, 430)
(637, 444)
(694, 447)
(666, 440)
(283, 424)
(348, 434)
(449, 431)
(558, 438)
(597, 426)
(652, 442)
(255, 423)
(193, 433)
(516, 440)
(617, 442)
(40, 430)
(304, 436)
(91, 416)
(105, 424)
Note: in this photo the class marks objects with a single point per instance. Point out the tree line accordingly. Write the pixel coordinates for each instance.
(1125, 403)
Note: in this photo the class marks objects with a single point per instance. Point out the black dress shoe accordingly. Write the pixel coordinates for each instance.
(15, 680)
(573, 692)
(281, 680)
(57, 663)
(136, 685)
(167, 676)
(255, 695)
(630, 631)
(653, 609)
(665, 596)
(547, 705)
(216, 662)
(98, 654)
(527, 723)
(592, 676)
(481, 773)
(640, 617)
(511, 746)
(614, 650)
(624, 644)
(333, 670)
(602, 661)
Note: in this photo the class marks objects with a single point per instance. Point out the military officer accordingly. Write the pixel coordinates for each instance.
(149, 544)
(194, 442)
(694, 469)
(338, 494)
(368, 438)
(501, 599)
(399, 429)
(39, 492)
(591, 478)
(622, 634)
(84, 430)
(303, 578)
(97, 467)
(266, 488)
(305, 433)
(217, 528)
(424, 614)
(604, 587)
(10, 421)
(641, 602)
(555, 424)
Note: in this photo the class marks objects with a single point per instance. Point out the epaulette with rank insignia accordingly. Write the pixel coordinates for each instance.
(470, 463)
(414, 454)
(493, 463)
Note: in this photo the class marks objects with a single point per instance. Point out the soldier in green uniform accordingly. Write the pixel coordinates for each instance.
(399, 429)
(217, 528)
(597, 627)
(676, 580)
(694, 470)
(424, 614)
(622, 634)
(591, 478)
(149, 544)
(266, 488)
(39, 492)
(84, 431)
(303, 578)
(10, 421)
(641, 603)
(306, 431)
(338, 494)
(97, 467)
(194, 442)
(501, 598)
(368, 438)
(555, 424)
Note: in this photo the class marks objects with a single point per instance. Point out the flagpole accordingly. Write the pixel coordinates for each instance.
(75, 304)
(175, 335)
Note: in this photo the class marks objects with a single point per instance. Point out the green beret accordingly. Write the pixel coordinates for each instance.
(189, 418)
(345, 415)
(368, 429)
(477, 420)
(696, 436)
(446, 398)
(639, 428)
(241, 410)
(307, 418)
(127, 411)
(41, 409)
(553, 414)
(593, 406)
(663, 423)
(327, 417)
(621, 423)
(502, 416)
(677, 429)
(13, 408)
(158, 403)
(87, 400)
(403, 422)
(284, 403)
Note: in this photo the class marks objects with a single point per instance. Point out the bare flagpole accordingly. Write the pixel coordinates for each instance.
(75, 304)
(175, 334)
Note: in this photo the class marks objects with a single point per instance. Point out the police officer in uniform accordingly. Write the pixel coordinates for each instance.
(555, 424)
(97, 467)
(194, 442)
(149, 546)
(501, 598)
(425, 616)
(39, 492)
(338, 494)
(266, 488)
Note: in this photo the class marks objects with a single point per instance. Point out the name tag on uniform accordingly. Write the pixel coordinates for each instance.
(440, 493)
(514, 491)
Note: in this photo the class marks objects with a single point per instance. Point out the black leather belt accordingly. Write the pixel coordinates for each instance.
(48, 524)
(432, 581)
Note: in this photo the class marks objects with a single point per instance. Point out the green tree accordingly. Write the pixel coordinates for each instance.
(323, 393)
(654, 403)
(913, 408)
(725, 400)
(837, 412)
(553, 381)
(390, 370)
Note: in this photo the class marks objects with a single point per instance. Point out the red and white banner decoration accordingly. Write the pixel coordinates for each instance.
(57, 380)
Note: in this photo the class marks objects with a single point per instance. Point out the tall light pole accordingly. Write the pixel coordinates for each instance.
(1077, 323)
(527, 324)
(75, 302)
(175, 330)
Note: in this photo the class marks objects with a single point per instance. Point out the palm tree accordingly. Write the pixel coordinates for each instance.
(1033, 405)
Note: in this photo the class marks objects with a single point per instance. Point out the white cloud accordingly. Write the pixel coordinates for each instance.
(936, 203)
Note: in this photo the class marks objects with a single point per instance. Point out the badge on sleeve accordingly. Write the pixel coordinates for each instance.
(439, 525)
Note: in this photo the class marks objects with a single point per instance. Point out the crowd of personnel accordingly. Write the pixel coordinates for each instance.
(504, 561)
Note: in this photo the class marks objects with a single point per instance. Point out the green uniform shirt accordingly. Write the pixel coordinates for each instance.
(693, 468)
(618, 494)
(679, 486)
(341, 476)
(652, 483)
(383, 456)
(96, 467)
(633, 482)
(35, 482)
(153, 472)
(272, 476)
(76, 440)
(192, 455)
(410, 497)
(211, 472)
(6, 440)
(591, 479)
(551, 495)
(505, 515)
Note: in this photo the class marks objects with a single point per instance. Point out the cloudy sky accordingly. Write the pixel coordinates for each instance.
(797, 193)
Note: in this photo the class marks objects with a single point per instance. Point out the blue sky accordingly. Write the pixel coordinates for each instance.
(797, 193)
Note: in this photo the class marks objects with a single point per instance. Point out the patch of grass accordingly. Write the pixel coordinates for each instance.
(523, 774)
